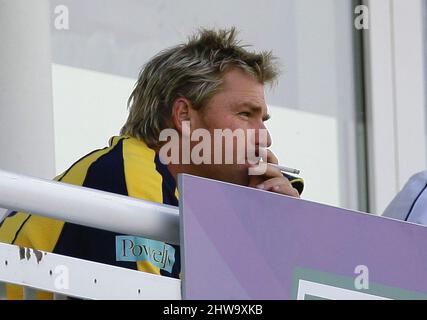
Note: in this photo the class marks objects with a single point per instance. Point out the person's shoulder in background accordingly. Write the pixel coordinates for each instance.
(410, 204)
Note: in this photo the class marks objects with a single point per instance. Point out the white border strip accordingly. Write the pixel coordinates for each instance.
(332, 293)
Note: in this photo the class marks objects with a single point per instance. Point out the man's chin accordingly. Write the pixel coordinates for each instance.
(234, 173)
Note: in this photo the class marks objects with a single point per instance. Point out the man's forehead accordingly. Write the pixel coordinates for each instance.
(237, 79)
(242, 89)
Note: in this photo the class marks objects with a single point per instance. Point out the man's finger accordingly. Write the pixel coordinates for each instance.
(271, 157)
(267, 155)
(279, 185)
(272, 172)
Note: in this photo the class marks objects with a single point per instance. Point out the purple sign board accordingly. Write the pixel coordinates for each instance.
(242, 243)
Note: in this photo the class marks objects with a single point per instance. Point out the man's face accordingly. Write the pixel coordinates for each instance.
(239, 105)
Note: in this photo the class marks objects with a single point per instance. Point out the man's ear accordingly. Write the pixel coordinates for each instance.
(180, 112)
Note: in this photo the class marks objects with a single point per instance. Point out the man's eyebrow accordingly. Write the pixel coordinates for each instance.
(256, 108)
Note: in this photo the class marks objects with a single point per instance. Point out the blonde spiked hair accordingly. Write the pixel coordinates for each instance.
(192, 70)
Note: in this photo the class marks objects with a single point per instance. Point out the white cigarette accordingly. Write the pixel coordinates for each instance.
(285, 169)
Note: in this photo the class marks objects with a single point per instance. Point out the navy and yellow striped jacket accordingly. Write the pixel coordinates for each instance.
(127, 167)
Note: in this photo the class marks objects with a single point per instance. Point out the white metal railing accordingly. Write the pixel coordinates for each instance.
(94, 208)
(90, 207)
(67, 276)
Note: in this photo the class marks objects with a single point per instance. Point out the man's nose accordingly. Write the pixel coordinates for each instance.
(269, 141)
(263, 138)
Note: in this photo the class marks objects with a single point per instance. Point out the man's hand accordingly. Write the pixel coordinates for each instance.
(273, 179)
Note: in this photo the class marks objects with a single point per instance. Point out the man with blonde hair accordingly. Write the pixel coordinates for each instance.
(212, 83)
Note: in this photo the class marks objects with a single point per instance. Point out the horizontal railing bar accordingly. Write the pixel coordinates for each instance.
(71, 277)
(89, 207)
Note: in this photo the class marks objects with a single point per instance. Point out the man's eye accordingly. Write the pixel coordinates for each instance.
(245, 114)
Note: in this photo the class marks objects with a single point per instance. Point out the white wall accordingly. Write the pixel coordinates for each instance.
(90, 107)
(309, 142)
(26, 121)
(395, 96)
